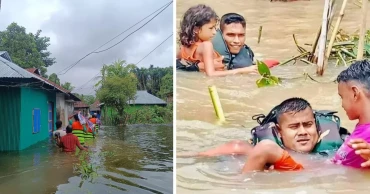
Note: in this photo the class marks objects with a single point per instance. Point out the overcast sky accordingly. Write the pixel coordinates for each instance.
(77, 27)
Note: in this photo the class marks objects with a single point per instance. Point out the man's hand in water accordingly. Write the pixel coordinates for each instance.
(362, 148)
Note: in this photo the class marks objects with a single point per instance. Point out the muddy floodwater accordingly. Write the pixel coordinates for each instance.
(134, 159)
(197, 128)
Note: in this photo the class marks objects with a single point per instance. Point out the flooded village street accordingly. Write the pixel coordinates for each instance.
(86, 97)
(133, 159)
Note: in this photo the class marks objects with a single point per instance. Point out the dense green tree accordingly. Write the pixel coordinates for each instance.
(42, 44)
(26, 50)
(117, 86)
(87, 99)
(54, 78)
(166, 86)
(150, 78)
(68, 86)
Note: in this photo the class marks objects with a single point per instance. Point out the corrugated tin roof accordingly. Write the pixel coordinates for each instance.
(31, 70)
(5, 55)
(80, 104)
(144, 98)
(12, 70)
(95, 106)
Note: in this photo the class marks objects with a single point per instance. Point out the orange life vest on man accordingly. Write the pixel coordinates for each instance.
(93, 120)
(77, 126)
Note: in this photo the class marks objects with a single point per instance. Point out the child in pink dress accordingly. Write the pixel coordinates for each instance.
(354, 89)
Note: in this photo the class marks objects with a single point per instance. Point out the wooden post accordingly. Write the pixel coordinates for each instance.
(322, 42)
(334, 33)
(361, 42)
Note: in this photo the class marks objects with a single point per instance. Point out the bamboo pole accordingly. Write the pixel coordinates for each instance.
(216, 103)
(259, 34)
(313, 56)
(361, 42)
(335, 31)
(322, 41)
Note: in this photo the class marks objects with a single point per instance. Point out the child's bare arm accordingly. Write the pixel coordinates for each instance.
(265, 152)
(206, 51)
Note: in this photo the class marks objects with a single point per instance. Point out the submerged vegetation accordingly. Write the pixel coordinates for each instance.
(85, 168)
(344, 50)
(88, 170)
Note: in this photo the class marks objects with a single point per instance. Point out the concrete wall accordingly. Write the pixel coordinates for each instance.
(60, 106)
(31, 99)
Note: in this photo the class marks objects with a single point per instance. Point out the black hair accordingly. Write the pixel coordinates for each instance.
(292, 105)
(76, 117)
(232, 18)
(68, 129)
(58, 124)
(195, 16)
(359, 71)
(93, 116)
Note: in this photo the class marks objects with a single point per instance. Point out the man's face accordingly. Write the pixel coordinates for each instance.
(234, 35)
(298, 130)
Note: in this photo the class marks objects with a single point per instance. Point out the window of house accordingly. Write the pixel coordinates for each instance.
(36, 114)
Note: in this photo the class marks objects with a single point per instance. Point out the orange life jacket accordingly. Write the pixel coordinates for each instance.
(93, 120)
(189, 55)
(77, 126)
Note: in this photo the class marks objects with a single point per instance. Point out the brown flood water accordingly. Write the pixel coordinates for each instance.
(197, 126)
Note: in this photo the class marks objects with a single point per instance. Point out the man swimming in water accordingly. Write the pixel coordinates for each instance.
(297, 129)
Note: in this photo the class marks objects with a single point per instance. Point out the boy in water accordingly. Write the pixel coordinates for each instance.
(354, 89)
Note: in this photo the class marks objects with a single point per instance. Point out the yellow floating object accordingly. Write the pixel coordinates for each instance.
(216, 102)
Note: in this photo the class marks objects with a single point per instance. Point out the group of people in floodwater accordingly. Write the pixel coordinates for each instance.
(79, 130)
(291, 128)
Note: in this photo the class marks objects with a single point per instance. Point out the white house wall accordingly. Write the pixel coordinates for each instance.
(61, 108)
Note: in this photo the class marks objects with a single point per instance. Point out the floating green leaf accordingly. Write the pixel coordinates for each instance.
(262, 82)
(275, 79)
(267, 81)
(263, 69)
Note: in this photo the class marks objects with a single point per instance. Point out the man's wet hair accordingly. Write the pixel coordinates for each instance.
(359, 71)
(293, 105)
(76, 117)
(58, 124)
(232, 18)
(93, 116)
(68, 129)
(195, 16)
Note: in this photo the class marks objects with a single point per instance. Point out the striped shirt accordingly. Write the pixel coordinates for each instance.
(69, 142)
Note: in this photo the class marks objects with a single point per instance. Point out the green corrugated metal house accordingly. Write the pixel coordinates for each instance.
(28, 106)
